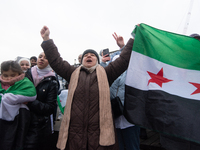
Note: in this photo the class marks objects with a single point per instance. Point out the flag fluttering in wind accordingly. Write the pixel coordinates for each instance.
(163, 83)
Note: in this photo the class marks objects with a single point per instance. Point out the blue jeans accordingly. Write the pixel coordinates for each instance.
(129, 138)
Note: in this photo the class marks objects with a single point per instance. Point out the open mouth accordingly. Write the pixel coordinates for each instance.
(89, 60)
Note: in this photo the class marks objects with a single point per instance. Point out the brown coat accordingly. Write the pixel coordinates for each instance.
(84, 124)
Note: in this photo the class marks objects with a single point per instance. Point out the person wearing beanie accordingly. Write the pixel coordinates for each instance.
(87, 122)
(90, 60)
(24, 63)
(92, 52)
(196, 36)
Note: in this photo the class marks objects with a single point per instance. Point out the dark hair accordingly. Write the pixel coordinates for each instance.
(10, 64)
(34, 57)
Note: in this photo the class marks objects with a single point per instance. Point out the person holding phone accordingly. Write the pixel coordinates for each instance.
(128, 134)
(106, 59)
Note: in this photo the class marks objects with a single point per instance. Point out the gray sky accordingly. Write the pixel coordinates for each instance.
(81, 24)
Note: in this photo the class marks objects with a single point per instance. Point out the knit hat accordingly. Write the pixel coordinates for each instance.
(195, 35)
(90, 51)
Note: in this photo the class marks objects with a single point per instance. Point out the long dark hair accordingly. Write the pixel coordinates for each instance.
(11, 65)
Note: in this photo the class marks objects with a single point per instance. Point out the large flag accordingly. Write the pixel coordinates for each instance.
(163, 83)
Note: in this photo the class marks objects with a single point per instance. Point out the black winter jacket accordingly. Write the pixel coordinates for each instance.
(41, 109)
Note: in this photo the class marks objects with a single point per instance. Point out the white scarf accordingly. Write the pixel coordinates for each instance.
(91, 69)
(39, 74)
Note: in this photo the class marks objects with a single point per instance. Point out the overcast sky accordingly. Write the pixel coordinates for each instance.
(81, 24)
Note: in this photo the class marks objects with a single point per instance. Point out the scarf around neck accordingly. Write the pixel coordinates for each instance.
(107, 133)
(91, 69)
(7, 83)
(39, 74)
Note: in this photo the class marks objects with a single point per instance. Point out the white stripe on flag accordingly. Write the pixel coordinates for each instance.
(138, 77)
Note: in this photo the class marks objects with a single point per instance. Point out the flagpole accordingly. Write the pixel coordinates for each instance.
(188, 17)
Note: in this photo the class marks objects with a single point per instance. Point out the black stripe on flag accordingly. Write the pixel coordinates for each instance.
(160, 111)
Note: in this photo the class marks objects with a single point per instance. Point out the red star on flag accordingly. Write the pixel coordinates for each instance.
(197, 86)
(158, 78)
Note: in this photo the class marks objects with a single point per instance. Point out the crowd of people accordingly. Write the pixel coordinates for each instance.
(29, 95)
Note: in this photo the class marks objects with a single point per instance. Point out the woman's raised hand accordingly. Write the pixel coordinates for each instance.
(45, 33)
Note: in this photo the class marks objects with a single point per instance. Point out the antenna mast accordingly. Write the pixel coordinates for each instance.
(188, 17)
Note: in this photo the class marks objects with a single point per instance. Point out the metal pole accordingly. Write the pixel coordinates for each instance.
(187, 22)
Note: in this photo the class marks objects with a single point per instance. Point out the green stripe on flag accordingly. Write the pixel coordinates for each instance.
(23, 87)
(60, 105)
(170, 48)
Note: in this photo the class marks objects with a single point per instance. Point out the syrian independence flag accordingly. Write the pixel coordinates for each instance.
(163, 83)
(12, 99)
(14, 115)
(62, 99)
